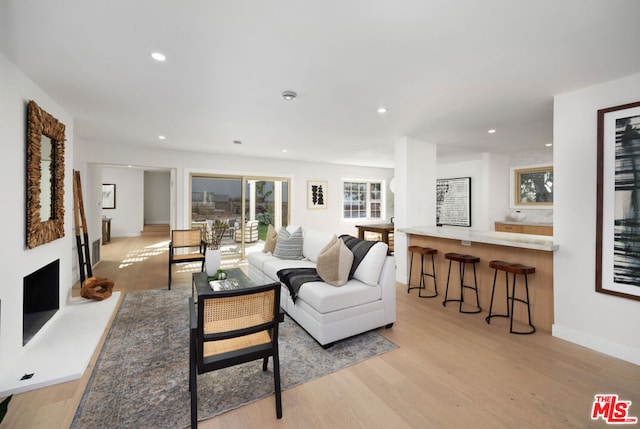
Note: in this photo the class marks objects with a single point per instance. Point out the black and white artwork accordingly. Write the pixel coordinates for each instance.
(108, 196)
(316, 194)
(618, 216)
(453, 201)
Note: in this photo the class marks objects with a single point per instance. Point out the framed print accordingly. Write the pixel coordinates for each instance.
(532, 187)
(453, 201)
(316, 194)
(108, 196)
(618, 202)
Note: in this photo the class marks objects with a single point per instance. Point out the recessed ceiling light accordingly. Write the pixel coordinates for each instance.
(289, 95)
(549, 144)
(382, 110)
(161, 137)
(284, 150)
(158, 56)
(491, 131)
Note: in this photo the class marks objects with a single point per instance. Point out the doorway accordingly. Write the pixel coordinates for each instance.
(247, 205)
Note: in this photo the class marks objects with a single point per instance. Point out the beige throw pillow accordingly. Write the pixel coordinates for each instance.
(334, 262)
(270, 241)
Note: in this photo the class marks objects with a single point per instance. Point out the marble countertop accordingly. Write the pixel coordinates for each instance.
(525, 241)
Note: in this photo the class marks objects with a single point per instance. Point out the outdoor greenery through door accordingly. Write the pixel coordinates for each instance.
(246, 205)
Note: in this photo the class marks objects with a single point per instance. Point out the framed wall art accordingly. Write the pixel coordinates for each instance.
(453, 201)
(317, 194)
(109, 196)
(618, 201)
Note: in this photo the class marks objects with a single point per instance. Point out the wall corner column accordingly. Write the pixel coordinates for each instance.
(415, 196)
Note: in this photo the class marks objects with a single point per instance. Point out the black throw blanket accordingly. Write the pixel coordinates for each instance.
(294, 278)
(359, 248)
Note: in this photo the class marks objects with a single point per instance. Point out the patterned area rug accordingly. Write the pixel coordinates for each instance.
(141, 377)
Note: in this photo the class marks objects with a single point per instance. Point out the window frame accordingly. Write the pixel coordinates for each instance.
(368, 200)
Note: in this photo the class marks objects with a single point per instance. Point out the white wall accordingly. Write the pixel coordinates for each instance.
(18, 261)
(128, 216)
(603, 322)
(185, 163)
(157, 199)
(474, 170)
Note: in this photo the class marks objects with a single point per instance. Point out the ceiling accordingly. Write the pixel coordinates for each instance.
(447, 70)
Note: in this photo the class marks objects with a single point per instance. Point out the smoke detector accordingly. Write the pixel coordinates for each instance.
(289, 95)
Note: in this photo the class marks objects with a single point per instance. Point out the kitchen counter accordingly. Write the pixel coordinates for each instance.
(532, 250)
(523, 241)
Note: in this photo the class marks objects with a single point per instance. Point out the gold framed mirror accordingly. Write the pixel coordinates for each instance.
(45, 177)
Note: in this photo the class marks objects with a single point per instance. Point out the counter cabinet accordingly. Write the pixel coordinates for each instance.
(524, 228)
(540, 283)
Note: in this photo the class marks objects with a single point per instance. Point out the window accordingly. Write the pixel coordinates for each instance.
(362, 200)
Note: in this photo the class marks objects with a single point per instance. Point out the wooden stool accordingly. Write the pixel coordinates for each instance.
(463, 260)
(423, 251)
(515, 269)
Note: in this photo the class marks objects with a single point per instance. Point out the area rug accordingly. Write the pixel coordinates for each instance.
(141, 377)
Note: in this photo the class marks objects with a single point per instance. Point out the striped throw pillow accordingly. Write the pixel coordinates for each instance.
(289, 245)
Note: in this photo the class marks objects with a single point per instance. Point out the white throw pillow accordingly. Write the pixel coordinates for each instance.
(334, 262)
(370, 267)
(289, 245)
(314, 242)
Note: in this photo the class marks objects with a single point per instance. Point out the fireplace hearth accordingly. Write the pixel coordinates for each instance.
(41, 299)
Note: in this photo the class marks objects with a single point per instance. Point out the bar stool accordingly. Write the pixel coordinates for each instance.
(515, 269)
(463, 260)
(422, 251)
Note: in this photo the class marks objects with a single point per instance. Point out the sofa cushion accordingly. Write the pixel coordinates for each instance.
(271, 267)
(257, 259)
(325, 298)
(289, 245)
(334, 262)
(369, 269)
(270, 241)
(314, 242)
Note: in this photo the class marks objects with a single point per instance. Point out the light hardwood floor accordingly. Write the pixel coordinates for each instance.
(450, 370)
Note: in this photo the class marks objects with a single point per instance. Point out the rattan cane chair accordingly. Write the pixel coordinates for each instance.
(233, 327)
(191, 241)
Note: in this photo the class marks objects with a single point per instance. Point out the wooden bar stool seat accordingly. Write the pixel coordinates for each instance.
(514, 269)
(463, 260)
(422, 251)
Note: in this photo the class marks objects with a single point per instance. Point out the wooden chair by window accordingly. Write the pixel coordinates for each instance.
(230, 328)
(191, 242)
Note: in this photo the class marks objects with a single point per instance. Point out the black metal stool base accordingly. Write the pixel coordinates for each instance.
(463, 260)
(514, 269)
(422, 286)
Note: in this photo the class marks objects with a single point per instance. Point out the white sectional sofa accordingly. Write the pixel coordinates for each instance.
(331, 313)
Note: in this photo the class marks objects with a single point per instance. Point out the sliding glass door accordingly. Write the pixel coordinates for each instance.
(246, 205)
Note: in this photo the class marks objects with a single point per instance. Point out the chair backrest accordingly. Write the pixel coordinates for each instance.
(186, 237)
(238, 320)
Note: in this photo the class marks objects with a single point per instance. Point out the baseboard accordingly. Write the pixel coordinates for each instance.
(602, 345)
